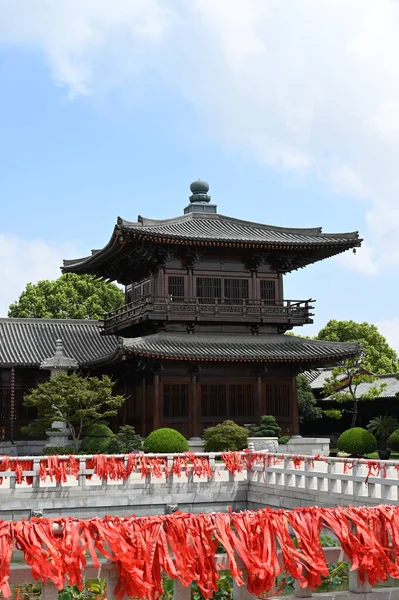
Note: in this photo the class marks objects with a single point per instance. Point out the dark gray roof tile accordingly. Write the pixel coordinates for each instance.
(388, 384)
(27, 342)
(220, 227)
(265, 348)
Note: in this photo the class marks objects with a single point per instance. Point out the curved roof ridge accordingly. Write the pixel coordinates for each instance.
(263, 348)
(46, 320)
(143, 222)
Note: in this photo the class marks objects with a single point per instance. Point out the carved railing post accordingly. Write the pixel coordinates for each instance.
(181, 592)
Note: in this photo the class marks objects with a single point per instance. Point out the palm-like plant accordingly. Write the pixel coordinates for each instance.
(382, 427)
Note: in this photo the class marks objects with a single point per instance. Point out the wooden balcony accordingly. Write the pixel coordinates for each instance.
(284, 312)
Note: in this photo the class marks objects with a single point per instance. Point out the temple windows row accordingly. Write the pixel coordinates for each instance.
(225, 400)
(229, 290)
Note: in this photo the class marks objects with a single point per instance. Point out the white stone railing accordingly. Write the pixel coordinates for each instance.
(160, 471)
(324, 481)
(270, 479)
(21, 575)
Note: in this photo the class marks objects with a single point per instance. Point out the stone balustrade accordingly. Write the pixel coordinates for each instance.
(279, 481)
(290, 481)
(21, 575)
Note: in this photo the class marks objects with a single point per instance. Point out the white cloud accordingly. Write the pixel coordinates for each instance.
(363, 260)
(25, 261)
(305, 85)
(390, 329)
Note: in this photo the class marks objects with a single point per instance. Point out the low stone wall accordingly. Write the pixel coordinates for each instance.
(308, 446)
(22, 448)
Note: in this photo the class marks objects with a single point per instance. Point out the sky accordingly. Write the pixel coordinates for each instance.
(290, 110)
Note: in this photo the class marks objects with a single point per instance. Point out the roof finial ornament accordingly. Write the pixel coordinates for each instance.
(199, 189)
(59, 348)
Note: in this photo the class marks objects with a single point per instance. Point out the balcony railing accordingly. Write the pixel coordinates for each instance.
(285, 312)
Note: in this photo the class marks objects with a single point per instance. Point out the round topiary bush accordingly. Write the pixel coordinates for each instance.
(357, 441)
(165, 440)
(97, 438)
(393, 441)
(225, 436)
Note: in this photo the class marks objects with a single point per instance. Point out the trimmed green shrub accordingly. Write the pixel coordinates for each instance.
(357, 441)
(393, 441)
(60, 450)
(284, 439)
(165, 440)
(97, 439)
(225, 436)
(99, 430)
(268, 427)
(125, 441)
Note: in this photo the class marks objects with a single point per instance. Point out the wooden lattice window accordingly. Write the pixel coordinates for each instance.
(208, 289)
(241, 400)
(213, 400)
(175, 287)
(268, 290)
(278, 399)
(175, 400)
(235, 290)
(227, 400)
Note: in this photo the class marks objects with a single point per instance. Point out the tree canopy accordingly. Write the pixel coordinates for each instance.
(68, 297)
(377, 355)
(350, 373)
(308, 411)
(77, 401)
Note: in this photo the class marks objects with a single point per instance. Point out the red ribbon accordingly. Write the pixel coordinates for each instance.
(183, 546)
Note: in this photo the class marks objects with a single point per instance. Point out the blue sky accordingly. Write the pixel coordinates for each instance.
(289, 111)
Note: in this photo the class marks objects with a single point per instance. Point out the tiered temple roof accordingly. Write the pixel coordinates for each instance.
(27, 342)
(211, 229)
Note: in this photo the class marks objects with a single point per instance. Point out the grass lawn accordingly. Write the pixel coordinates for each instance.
(373, 455)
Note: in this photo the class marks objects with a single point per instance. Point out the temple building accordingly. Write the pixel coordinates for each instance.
(201, 337)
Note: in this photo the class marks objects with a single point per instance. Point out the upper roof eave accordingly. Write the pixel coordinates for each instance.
(219, 229)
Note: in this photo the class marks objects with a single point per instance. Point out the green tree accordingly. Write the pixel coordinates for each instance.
(382, 427)
(350, 372)
(68, 297)
(77, 401)
(378, 356)
(308, 411)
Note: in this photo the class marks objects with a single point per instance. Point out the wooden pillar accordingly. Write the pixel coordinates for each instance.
(12, 405)
(143, 408)
(195, 408)
(190, 291)
(294, 407)
(163, 290)
(124, 406)
(157, 406)
(259, 400)
(254, 295)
